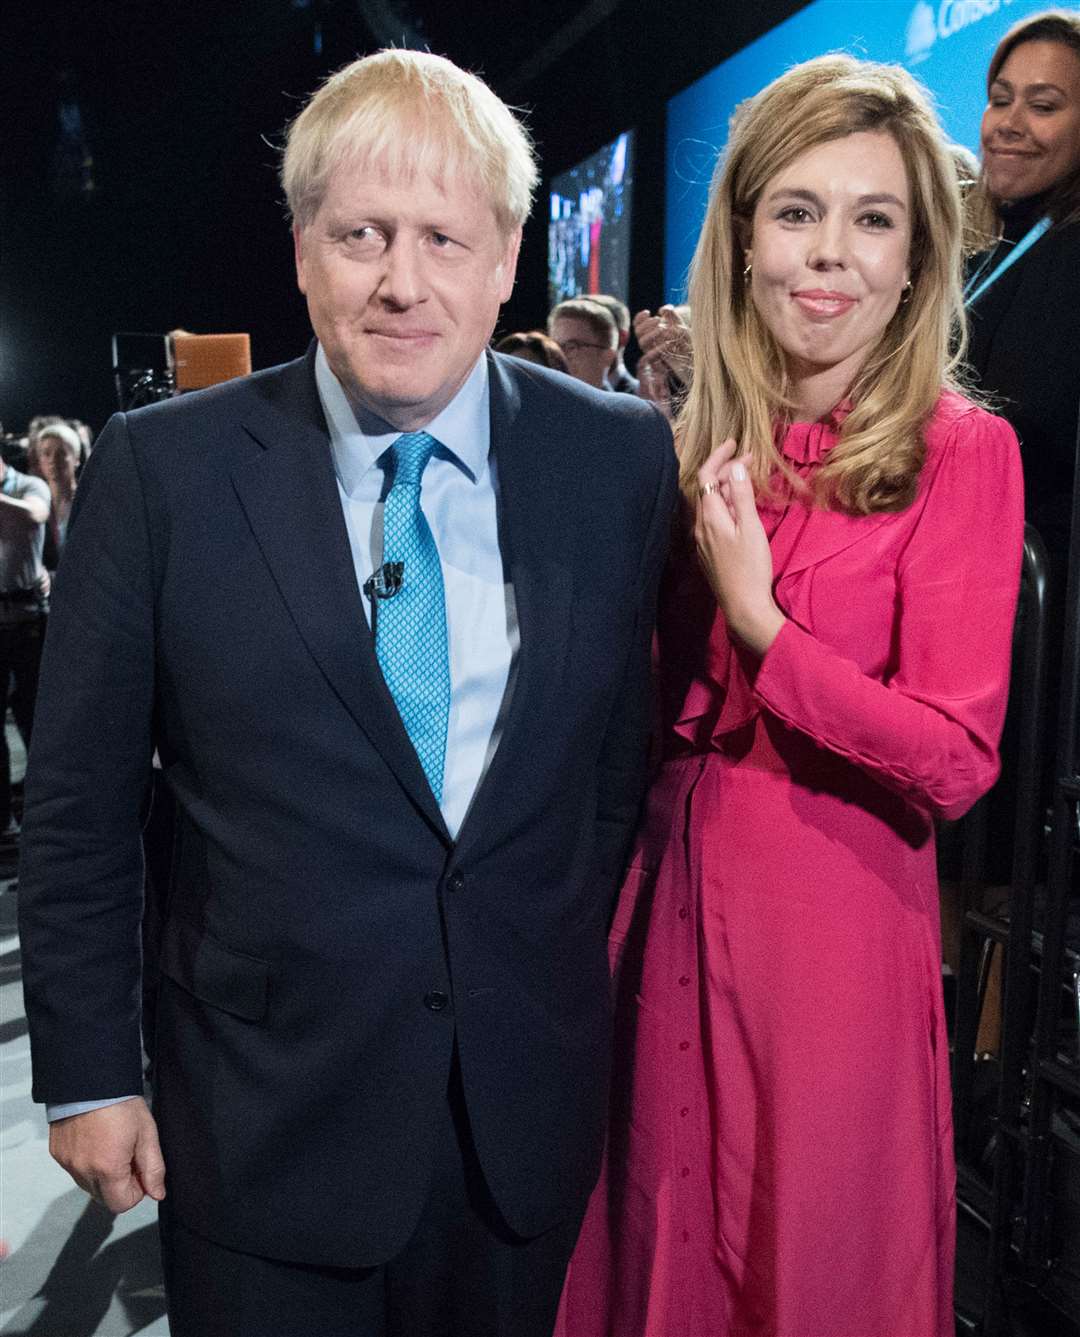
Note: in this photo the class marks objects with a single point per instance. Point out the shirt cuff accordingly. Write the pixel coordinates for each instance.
(54, 1112)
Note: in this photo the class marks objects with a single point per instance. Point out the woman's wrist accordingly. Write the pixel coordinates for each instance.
(756, 629)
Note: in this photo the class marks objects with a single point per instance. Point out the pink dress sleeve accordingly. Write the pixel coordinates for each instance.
(930, 730)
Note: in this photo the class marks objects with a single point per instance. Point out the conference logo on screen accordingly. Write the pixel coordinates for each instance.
(924, 27)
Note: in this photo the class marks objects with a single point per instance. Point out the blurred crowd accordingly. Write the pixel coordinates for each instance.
(38, 476)
(589, 337)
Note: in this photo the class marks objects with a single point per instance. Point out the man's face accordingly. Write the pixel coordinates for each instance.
(404, 280)
(587, 353)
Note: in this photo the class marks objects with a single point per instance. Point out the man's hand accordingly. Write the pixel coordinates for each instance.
(113, 1153)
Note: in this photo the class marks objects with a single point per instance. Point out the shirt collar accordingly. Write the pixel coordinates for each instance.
(358, 437)
(808, 442)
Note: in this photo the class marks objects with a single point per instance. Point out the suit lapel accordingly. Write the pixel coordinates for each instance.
(290, 496)
(535, 500)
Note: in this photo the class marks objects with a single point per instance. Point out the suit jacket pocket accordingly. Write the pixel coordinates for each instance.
(215, 974)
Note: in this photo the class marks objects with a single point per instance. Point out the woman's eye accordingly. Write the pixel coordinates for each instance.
(876, 220)
(795, 213)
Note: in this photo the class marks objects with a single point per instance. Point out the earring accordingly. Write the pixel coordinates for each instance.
(905, 292)
(749, 267)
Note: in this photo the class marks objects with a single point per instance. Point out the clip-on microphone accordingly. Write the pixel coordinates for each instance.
(385, 581)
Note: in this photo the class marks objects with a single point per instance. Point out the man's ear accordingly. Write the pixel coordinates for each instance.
(508, 265)
(298, 254)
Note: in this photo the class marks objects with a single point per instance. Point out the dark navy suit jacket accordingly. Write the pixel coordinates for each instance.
(326, 940)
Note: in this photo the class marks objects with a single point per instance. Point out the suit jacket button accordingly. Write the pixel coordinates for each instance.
(456, 881)
(436, 1001)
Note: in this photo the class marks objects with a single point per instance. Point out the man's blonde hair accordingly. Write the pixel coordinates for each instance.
(739, 386)
(412, 114)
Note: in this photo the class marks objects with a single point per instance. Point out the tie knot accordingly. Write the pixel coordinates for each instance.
(411, 452)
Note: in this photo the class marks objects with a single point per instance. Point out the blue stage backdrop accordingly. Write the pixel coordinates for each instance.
(945, 43)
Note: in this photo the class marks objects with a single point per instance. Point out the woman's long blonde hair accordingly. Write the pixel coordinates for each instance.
(740, 387)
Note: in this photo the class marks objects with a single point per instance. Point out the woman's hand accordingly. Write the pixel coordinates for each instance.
(653, 384)
(665, 339)
(734, 550)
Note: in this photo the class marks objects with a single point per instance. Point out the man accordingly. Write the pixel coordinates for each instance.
(618, 377)
(385, 614)
(589, 338)
(24, 511)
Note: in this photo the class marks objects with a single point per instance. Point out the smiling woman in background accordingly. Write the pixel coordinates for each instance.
(1024, 294)
(834, 661)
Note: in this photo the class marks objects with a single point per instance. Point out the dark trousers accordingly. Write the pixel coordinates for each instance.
(462, 1274)
(20, 662)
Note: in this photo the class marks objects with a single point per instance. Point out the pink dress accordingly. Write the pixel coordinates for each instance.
(780, 1157)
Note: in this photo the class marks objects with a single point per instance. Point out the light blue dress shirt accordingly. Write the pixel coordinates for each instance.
(459, 498)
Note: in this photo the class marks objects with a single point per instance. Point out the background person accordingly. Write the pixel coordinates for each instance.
(588, 337)
(24, 511)
(54, 456)
(1024, 293)
(533, 346)
(618, 377)
(666, 355)
(834, 662)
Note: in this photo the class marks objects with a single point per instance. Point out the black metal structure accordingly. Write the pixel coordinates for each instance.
(1018, 1119)
(143, 369)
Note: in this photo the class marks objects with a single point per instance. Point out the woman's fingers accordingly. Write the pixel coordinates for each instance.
(740, 494)
(714, 476)
(710, 470)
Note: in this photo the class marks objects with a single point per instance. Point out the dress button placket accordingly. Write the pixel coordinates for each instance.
(684, 1002)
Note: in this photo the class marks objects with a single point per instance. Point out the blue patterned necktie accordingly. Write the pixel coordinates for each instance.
(410, 627)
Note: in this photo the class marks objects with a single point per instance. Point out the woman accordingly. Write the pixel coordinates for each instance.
(533, 346)
(54, 457)
(834, 664)
(1024, 293)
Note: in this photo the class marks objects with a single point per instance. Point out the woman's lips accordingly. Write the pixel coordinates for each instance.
(822, 304)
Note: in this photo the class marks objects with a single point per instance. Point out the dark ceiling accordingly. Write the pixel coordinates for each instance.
(155, 203)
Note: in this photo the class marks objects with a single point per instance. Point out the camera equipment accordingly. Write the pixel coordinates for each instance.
(142, 369)
(148, 367)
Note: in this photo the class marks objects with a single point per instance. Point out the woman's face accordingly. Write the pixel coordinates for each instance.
(57, 460)
(830, 241)
(1031, 125)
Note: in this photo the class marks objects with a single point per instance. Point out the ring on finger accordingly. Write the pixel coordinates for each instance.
(706, 488)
